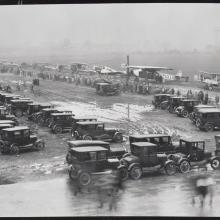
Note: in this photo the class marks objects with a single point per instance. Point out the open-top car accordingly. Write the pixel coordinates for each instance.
(107, 89)
(96, 130)
(13, 140)
(163, 141)
(4, 115)
(144, 155)
(193, 150)
(208, 119)
(61, 122)
(186, 107)
(161, 100)
(87, 162)
(193, 115)
(113, 152)
(174, 102)
(19, 107)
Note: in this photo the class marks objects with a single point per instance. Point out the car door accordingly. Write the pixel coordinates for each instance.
(152, 156)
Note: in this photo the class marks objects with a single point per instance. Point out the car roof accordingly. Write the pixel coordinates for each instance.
(149, 135)
(144, 144)
(45, 104)
(103, 83)
(162, 94)
(6, 121)
(49, 109)
(190, 100)
(191, 140)
(204, 106)
(89, 122)
(178, 97)
(16, 128)
(89, 149)
(209, 110)
(84, 117)
(87, 142)
(2, 107)
(63, 113)
(34, 103)
(6, 125)
(21, 100)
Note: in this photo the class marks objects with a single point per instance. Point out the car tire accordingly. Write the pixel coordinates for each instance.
(118, 138)
(198, 123)
(185, 114)
(123, 172)
(209, 127)
(18, 113)
(184, 166)
(84, 178)
(215, 163)
(40, 145)
(69, 158)
(170, 168)
(87, 137)
(14, 149)
(73, 174)
(135, 172)
(57, 129)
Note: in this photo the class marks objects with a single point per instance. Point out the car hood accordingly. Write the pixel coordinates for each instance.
(111, 129)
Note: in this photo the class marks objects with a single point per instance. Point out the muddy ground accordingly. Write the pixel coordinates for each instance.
(49, 164)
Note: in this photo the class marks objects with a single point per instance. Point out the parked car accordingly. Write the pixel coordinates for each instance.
(193, 115)
(161, 100)
(88, 161)
(113, 152)
(193, 151)
(163, 141)
(107, 89)
(13, 123)
(174, 102)
(61, 122)
(208, 119)
(80, 119)
(95, 130)
(4, 115)
(144, 155)
(19, 107)
(3, 126)
(6, 98)
(186, 107)
(19, 138)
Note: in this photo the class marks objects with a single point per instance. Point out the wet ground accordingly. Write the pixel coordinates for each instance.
(152, 195)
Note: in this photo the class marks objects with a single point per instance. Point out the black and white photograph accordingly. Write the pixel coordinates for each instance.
(110, 110)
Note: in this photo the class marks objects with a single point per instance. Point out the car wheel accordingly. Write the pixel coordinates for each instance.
(198, 123)
(2, 148)
(185, 114)
(57, 129)
(170, 168)
(118, 137)
(18, 113)
(14, 149)
(41, 121)
(184, 166)
(84, 179)
(209, 127)
(87, 137)
(123, 172)
(69, 158)
(73, 173)
(215, 163)
(135, 172)
(40, 145)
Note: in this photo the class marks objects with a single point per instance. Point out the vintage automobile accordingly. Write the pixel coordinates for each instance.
(107, 89)
(19, 138)
(4, 115)
(7, 98)
(19, 107)
(186, 107)
(61, 122)
(113, 151)
(161, 100)
(193, 150)
(208, 119)
(44, 117)
(163, 141)
(95, 130)
(80, 119)
(144, 155)
(193, 115)
(174, 102)
(88, 161)
(13, 123)
(3, 126)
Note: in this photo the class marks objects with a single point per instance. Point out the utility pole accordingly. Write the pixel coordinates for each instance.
(127, 70)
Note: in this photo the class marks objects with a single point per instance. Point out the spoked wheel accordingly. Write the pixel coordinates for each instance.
(184, 166)
(87, 137)
(14, 149)
(118, 137)
(209, 127)
(73, 173)
(135, 172)
(215, 163)
(84, 178)
(170, 169)
(185, 114)
(123, 172)
(57, 129)
(198, 123)
(39, 145)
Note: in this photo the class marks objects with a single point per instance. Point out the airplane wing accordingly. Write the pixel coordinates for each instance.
(149, 68)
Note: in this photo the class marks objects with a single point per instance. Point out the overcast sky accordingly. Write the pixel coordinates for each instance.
(154, 26)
